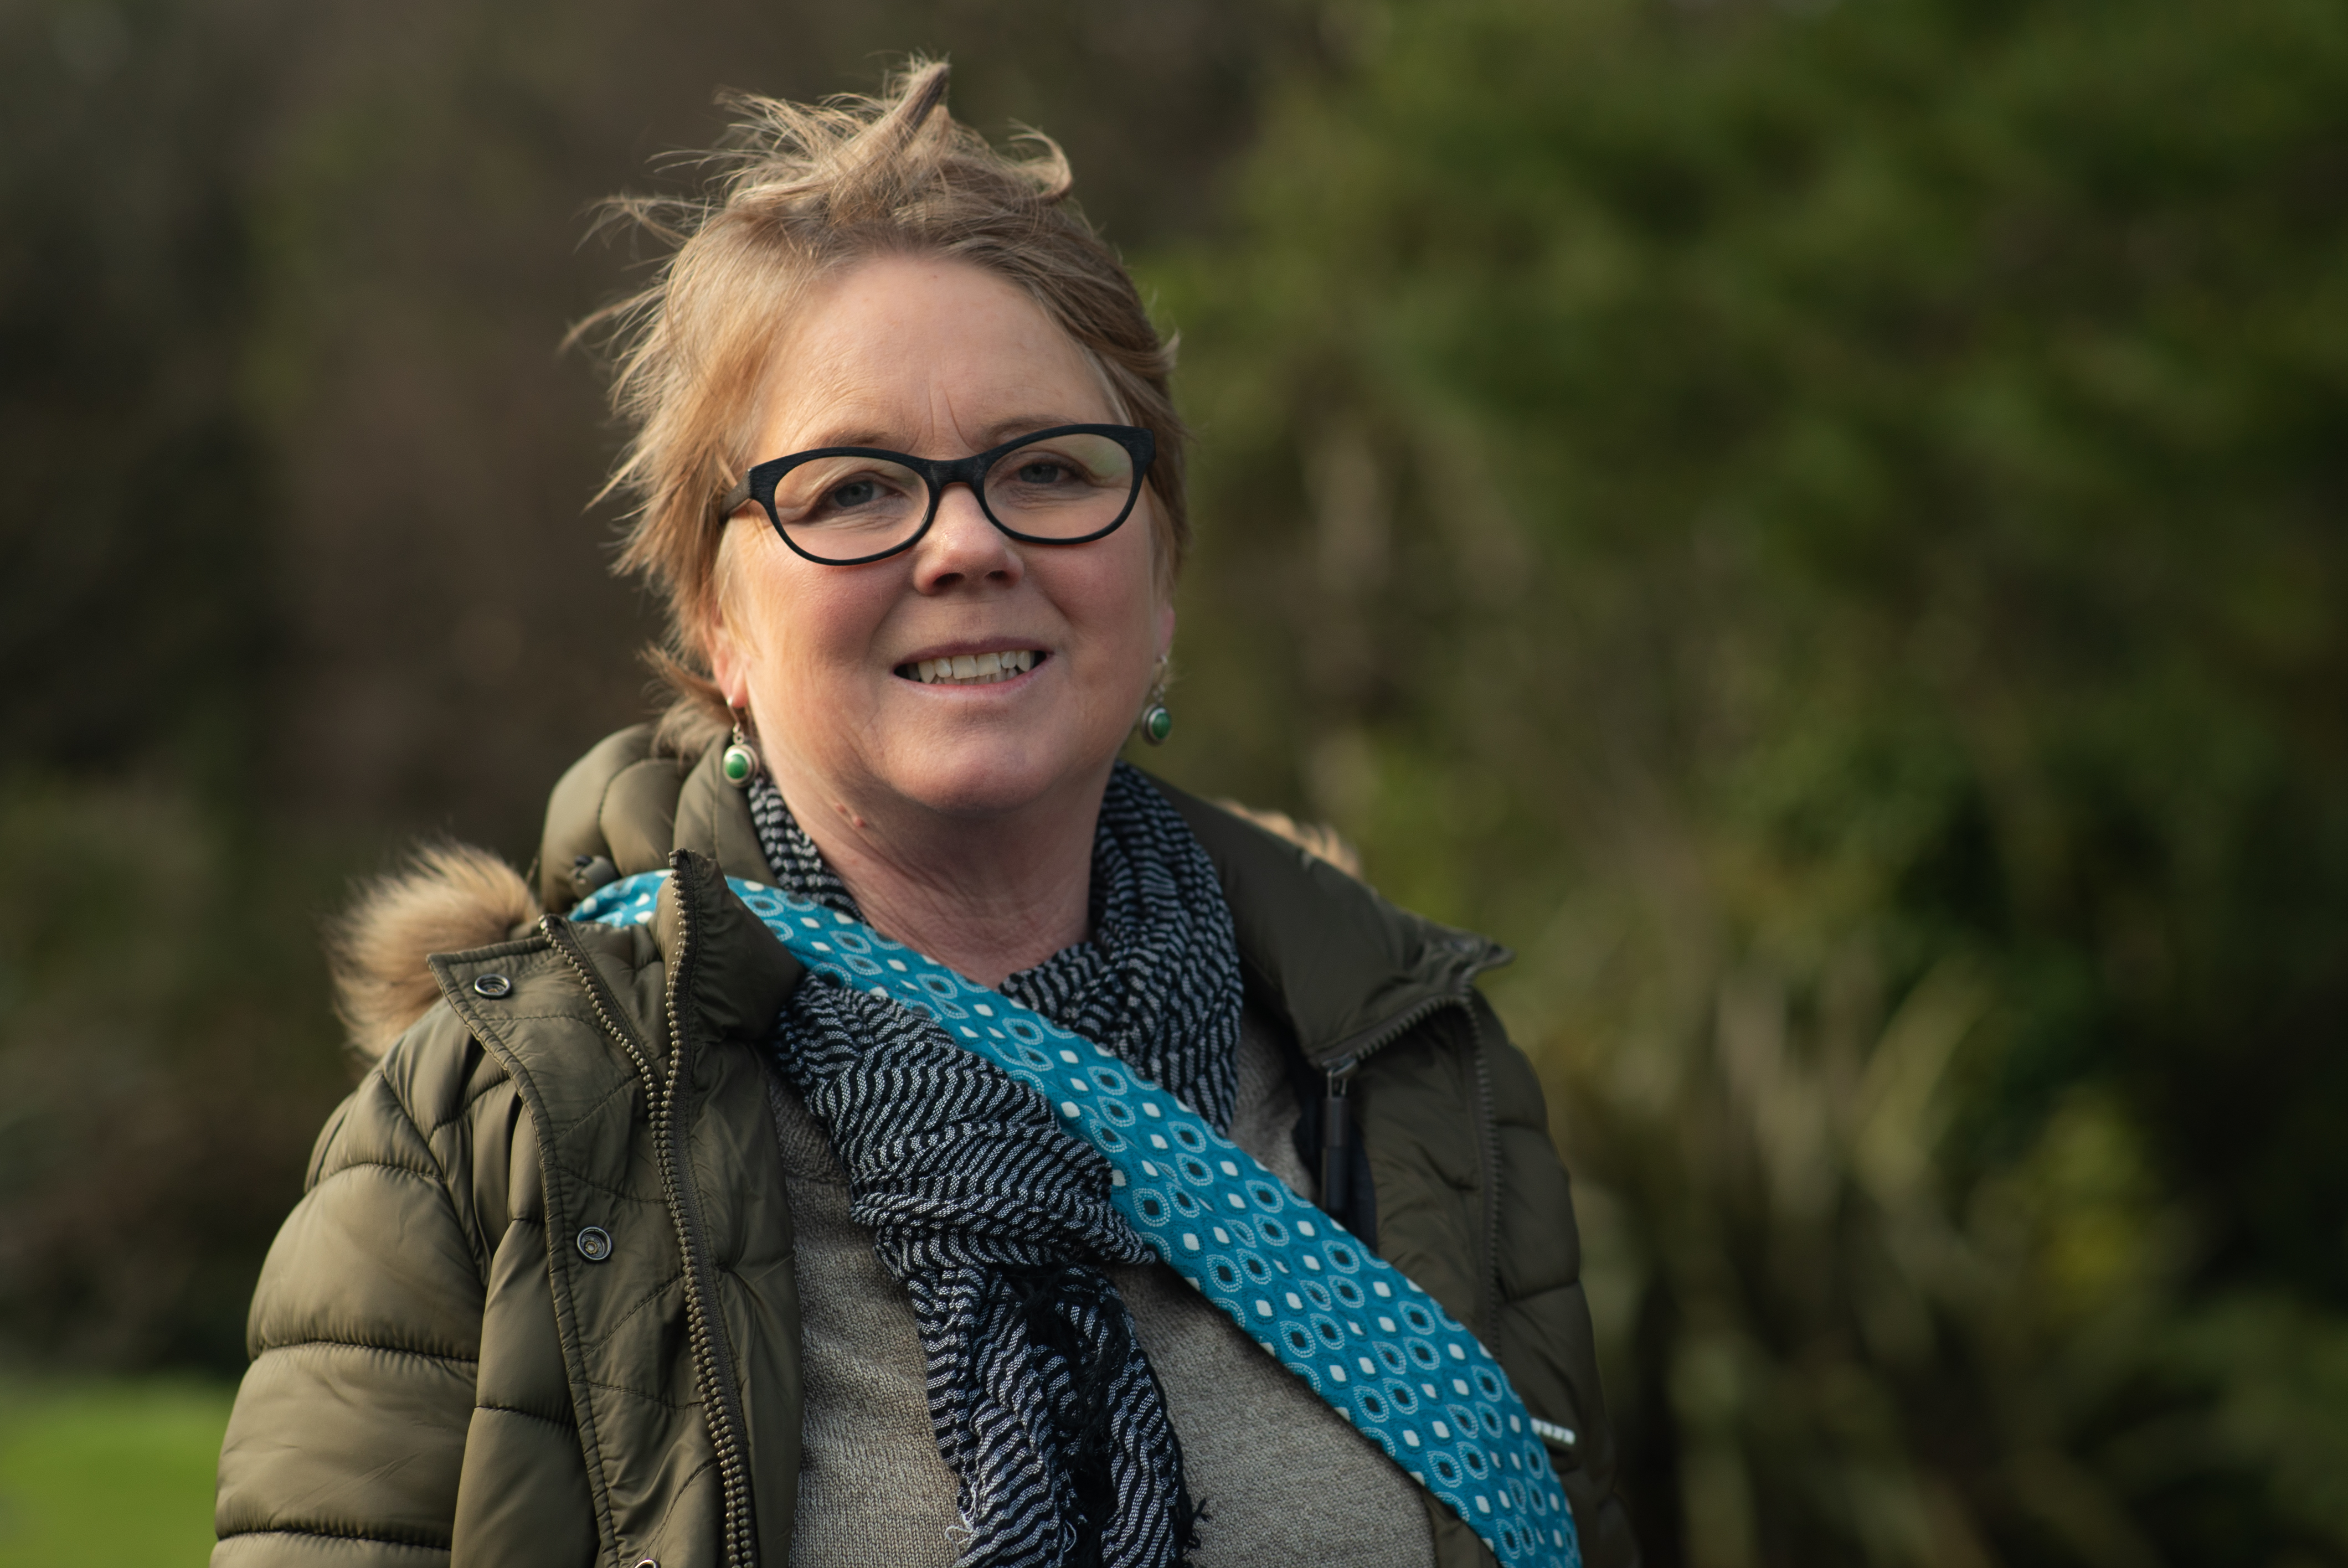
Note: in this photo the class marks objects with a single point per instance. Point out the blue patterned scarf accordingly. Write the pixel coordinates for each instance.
(998, 1224)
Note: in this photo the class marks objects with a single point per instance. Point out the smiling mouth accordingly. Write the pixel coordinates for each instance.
(973, 669)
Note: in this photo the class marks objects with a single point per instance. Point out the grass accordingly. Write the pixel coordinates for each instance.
(99, 1473)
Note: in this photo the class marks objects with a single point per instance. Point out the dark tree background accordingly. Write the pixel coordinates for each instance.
(1819, 524)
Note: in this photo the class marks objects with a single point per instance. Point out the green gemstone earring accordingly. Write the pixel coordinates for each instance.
(1157, 723)
(740, 764)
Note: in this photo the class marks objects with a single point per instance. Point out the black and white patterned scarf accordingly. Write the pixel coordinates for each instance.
(998, 1224)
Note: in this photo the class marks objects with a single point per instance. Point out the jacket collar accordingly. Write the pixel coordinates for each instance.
(735, 973)
(1348, 970)
(1345, 969)
(703, 964)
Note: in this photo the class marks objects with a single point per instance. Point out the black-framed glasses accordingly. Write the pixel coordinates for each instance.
(844, 506)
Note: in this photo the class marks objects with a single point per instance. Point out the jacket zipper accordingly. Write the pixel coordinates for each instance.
(710, 1357)
(1340, 1074)
(710, 1362)
(1336, 1103)
(1489, 1129)
(606, 1008)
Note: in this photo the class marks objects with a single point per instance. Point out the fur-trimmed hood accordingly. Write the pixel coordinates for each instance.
(447, 899)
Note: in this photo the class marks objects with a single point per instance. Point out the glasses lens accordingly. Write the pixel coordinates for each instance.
(845, 509)
(1061, 486)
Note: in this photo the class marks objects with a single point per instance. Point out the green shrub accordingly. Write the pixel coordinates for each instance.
(1822, 526)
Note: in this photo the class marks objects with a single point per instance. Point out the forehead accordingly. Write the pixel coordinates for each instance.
(930, 355)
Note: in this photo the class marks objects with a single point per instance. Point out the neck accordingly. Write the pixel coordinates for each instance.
(986, 895)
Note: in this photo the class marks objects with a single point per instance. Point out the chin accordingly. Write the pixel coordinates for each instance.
(985, 776)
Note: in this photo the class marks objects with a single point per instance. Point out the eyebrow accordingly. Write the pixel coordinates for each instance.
(989, 436)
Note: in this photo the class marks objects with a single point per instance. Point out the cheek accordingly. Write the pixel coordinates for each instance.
(1120, 594)
(785, 613)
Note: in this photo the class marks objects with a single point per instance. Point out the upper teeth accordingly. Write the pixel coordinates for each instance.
(975, 669)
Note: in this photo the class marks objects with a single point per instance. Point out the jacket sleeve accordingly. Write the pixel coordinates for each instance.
(348, 1434)
(1544, 1318)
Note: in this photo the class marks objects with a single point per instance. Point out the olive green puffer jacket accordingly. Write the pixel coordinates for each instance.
(536, 1306)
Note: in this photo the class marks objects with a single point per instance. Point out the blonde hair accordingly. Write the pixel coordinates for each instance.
(799, 192)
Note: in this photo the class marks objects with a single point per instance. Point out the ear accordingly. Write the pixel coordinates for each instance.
(1164, 628)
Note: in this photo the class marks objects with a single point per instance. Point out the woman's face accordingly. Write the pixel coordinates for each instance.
(938, 359)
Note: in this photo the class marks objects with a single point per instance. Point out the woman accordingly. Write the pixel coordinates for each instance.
(642, 1243)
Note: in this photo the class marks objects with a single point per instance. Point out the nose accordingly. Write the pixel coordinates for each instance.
(961, 547)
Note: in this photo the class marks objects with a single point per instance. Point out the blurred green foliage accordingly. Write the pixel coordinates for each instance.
(165, 1059)
(1822, 525)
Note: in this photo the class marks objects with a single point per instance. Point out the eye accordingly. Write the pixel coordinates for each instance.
(858, 494)
(1044, 472)
(848, 492)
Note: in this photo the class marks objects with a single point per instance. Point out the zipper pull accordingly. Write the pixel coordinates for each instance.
(1337, 1139)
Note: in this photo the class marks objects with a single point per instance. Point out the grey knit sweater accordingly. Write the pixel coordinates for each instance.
(1284, 1477)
